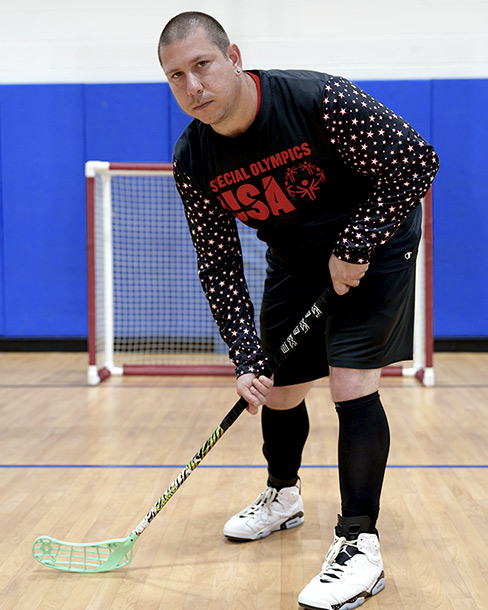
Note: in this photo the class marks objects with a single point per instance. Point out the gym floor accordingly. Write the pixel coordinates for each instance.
(86, 463)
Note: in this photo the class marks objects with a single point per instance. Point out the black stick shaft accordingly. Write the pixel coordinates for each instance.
(294, 338)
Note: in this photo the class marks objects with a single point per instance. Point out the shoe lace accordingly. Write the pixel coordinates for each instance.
(263, 501)
(338, 555)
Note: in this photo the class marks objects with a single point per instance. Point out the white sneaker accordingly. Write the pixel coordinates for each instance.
(273, 510)
(352, 572)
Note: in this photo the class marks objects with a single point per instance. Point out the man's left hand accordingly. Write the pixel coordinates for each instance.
(345, 275)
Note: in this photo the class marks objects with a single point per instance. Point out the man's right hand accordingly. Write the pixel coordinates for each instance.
(254, 390)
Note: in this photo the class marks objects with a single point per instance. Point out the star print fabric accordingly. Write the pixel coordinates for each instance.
(376, 142)
(220, 269)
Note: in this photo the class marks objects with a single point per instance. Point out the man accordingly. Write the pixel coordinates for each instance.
(331, 180)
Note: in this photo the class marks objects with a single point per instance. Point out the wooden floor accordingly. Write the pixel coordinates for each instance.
(60, 437)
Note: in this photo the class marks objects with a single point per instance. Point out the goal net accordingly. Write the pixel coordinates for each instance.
(147, 313)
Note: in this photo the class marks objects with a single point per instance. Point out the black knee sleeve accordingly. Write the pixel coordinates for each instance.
(364, 442)
(284, 435)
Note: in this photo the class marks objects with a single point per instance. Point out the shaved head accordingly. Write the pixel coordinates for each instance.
(184, 24)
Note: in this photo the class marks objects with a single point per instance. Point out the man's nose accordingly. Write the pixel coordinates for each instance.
(193, 84)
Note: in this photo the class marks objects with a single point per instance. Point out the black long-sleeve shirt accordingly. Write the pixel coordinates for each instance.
(323, 168)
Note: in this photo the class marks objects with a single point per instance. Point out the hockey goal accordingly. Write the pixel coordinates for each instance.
(147, 314)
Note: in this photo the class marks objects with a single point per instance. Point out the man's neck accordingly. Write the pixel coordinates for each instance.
(244, 112)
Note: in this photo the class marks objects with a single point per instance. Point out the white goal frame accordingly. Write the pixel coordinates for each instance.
(99, 176)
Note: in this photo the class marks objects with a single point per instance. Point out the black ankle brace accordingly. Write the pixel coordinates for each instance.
(351, 527)
(281, 483)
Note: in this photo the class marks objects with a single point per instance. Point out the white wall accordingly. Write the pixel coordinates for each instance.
(59, 41)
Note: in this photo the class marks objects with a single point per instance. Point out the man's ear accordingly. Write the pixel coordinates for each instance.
(234, 55)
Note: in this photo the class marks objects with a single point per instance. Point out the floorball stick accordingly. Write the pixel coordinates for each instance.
(109, 555)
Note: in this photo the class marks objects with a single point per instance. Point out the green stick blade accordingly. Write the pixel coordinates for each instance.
(89, 557)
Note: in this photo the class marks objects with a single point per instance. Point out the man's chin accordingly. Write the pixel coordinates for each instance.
(207, 118)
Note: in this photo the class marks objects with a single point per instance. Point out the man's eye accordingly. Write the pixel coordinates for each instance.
(202, 64)
(176, 75)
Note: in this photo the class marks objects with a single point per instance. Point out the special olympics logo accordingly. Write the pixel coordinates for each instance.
(304, 181)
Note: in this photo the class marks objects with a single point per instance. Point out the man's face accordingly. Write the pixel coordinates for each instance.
(201, 78)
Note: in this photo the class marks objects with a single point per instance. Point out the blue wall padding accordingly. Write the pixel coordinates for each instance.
(42, 152)
(47, 132)
(460, 132)
(2, 250)
(127, 122)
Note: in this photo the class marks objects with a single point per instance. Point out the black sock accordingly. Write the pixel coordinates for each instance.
(364, 442)
(284, 434)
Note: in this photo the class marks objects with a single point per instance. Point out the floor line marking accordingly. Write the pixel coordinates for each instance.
(224, 466)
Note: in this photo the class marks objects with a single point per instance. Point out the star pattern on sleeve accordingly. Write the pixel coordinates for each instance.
(379, 144)
(220, 269)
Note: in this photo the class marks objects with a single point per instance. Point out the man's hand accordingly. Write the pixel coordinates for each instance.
(345, 275)
(254, 389)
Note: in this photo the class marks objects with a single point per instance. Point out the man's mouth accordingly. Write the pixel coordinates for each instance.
(202, 106)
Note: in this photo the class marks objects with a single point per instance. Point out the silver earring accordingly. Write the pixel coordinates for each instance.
(238, 71)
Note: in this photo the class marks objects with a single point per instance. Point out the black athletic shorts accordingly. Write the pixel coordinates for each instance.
(369, 327)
